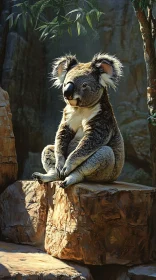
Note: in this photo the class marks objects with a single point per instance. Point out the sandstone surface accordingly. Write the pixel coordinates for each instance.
(26, 262)
(101, 224)
(23, 213)
(8, 160)
(89, 223)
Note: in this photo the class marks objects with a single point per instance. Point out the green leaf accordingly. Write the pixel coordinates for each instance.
(78, 28)
(17, 18)
(10, 18)
(89, 20)
(99, 14)
(78, 16)
(11, 15)
(75, 10)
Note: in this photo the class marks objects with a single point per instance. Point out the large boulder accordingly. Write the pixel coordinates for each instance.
(26, 262)
(133, 174)
(8, 160)
(23, 213)
(101, 224)
(134, 128)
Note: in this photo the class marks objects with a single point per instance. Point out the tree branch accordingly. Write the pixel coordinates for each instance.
(149, 49)
(153, 20)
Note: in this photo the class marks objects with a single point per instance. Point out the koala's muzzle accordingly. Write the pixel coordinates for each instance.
(68, 91)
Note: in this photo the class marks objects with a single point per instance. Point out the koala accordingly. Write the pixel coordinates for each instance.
(88, 144)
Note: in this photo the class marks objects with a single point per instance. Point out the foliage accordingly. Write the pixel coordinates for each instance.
(54, 17)
(152, 119)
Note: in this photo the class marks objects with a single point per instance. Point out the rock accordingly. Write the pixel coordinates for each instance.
(23, 208)
(121, 272)
(26, 262)
(134, 128)
(8, 160)
(143, 272)
(23, 77)
(101, 224)
(137, 142)
(132, 174)
(109, 272)
(89, 223)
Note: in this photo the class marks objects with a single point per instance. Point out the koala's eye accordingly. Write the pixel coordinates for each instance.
(84, 85)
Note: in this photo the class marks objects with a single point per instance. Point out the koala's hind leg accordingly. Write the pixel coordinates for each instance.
(48, 158)
(48, 162)
(98, 168)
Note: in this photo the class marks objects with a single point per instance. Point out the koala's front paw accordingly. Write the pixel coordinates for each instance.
(58, 169)
(37, 177)
(65, 172)
(59, 166)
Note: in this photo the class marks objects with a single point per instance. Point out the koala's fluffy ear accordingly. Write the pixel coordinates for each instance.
(109, 69)
(60, 68)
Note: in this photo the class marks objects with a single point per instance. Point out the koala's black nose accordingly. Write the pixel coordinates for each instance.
(68, 90)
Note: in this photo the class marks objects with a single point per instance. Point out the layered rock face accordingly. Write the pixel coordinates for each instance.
(89, 223)
(8, 160)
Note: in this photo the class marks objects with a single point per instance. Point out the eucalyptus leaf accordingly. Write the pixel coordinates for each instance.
(78, 28)
(89, 20)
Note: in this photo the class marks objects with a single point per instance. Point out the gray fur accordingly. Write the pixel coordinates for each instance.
(88, 144)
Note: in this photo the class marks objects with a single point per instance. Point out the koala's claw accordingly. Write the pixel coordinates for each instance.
(63, 184)
(37, 177)
(58, 172)
(58, 169)
(64, 173)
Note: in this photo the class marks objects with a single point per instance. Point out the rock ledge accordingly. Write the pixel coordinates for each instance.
(88, 223)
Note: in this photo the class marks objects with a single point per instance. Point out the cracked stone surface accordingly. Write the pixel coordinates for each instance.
(101, 224)
(26, 262)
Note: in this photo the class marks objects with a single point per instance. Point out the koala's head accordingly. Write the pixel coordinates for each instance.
(83, 83)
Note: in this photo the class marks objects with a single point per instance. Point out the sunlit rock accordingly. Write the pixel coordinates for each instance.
(8, 160)
(101, 224)
(23, 213)
(26, 262)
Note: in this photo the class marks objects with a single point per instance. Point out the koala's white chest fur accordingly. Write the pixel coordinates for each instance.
(76, 119)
